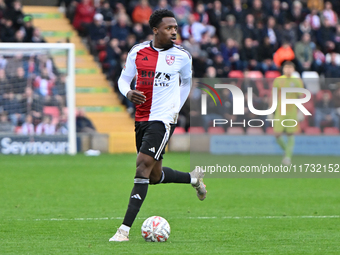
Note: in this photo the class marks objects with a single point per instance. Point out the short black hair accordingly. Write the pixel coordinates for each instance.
(157, 16)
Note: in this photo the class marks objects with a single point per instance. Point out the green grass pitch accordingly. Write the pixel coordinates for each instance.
(73, 205)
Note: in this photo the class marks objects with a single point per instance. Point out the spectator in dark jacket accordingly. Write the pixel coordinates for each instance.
(230, 54)
(7, 31)
(97, 33)
(121, 30)
(249, 55)
(332, 69)
(266, 53)
(325, 36)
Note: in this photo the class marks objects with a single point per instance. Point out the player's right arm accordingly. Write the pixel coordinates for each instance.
(128, 73)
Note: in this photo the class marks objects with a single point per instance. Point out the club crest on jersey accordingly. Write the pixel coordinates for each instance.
(170, 59)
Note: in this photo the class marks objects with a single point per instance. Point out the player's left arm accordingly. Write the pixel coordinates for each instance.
(186, 76)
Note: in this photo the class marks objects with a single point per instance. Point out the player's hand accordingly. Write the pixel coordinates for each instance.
(136, 96)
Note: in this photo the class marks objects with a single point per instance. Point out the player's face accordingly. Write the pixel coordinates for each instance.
(288, 70)
(166, 32)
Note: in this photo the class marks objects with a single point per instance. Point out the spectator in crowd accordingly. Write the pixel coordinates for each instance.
(237, 11)
(271, 32)
(16, 14)
(319, 60)
(257, 11)
(221, 70)
(13, 64)
(325, 37)
(19, 81)
(303, 28)
(217, 15)
(43, 83)
(296, 15)
(266, 53)
(7, 31)
(249, 29)
(46, 127)
(113, 55)
(163, 4)
(210, 45)
(97, 33)
(329, 14)
(5, 125)
(142, 13)
(332, 68)
(231, 55)
(249, 55)
(84, 124)
(107, 13)
(27, 127)
(325, 112)
(284, 53)
(194, 29)
(304, 52)
(336, 38)
(28, 27)
(32, 103)
(231, 30)
(276, 12)
(3, 9)
(289, 33)
(5, 86)
(19, 36)
(37, 36)
(181, 12)
(121, 29)
(13, 108)
(314, 20)
(83, 16)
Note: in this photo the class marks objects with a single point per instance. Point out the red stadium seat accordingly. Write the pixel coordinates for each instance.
(179, 130)
(331, 131)
(312, 131)
(272, 74)
(255, 75)
(254, 131)
(196, 130)
(216, 130)
(235, 131)
(236, 74)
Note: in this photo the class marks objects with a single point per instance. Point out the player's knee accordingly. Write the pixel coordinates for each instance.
(143, 169)
(155, 178)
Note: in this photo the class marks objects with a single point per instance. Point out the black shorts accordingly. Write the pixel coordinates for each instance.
(152, 137)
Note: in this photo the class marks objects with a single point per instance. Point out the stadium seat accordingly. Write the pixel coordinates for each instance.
(272, 74)
(254, 131)
(312, 131)
(236, 74)
(216, 130)
(196, 130)
(331, 131)
(179, 130)
(255, 75)
(296, 75)
(311, 81)
(319, 95)
(52, 110)
(235, 131)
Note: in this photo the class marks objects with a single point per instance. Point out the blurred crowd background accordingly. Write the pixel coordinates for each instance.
(236, 39)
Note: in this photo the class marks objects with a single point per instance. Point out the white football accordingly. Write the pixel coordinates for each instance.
(155, 229)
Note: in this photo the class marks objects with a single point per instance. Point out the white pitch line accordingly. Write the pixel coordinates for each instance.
(197, 218)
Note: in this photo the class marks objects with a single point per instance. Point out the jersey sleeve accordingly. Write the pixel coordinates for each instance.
(130, 64)
(185, 71)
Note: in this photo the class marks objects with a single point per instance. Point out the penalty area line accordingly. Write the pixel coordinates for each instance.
(196, 218)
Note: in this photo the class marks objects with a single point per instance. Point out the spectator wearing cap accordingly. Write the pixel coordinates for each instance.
(28, 26)
(231, 30)
(83, 16)
(97, 33)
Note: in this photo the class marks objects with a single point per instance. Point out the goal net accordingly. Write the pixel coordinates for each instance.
(37, 98)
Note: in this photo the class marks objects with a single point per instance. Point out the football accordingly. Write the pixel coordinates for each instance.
(155, 229)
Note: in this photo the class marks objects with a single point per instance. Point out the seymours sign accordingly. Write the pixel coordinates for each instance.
(23, 145)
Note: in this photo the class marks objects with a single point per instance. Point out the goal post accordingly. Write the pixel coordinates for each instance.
(48, 50)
